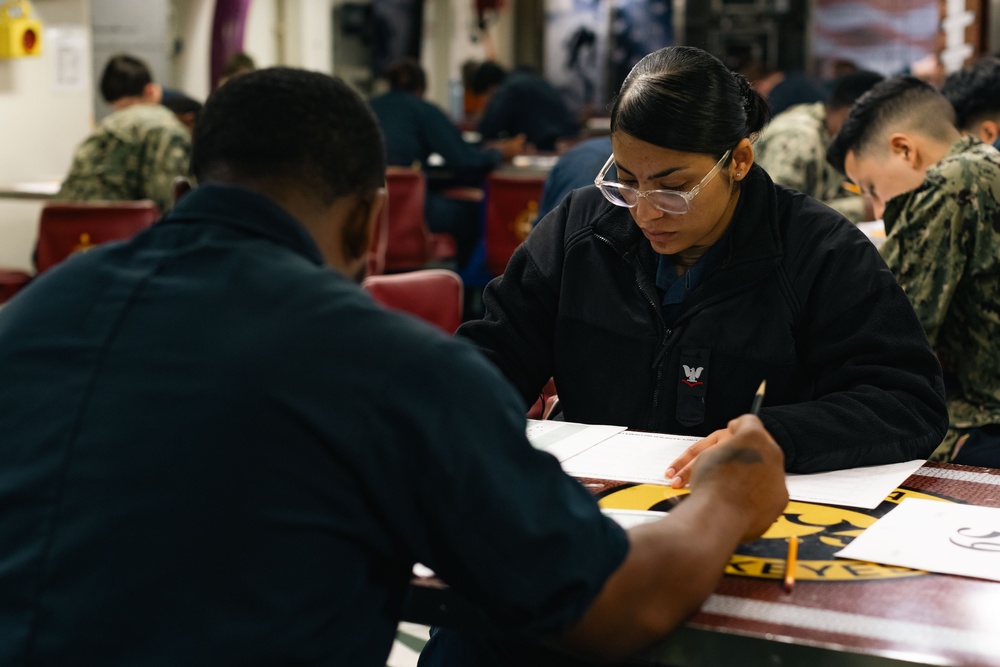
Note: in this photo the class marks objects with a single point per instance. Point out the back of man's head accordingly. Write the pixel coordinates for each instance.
(848, 88)
(900, 104)
(406, 75)
(282, 128)
(124, 76)
(975, 94)
(487, 76)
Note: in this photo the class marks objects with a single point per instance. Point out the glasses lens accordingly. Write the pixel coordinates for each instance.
(668, 202)
(616, 195)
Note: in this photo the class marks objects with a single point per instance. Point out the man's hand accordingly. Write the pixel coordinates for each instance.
(737, 491)
(747, 470)
(511, 147)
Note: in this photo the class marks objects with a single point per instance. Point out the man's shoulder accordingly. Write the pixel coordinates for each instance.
(968, 170)
(141, 120)
(801, 121)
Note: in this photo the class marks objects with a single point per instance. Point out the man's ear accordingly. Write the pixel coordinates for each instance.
(902, 145)
(359, 229)
(375, 214)
(181, 187)
(989, 130)
(152, 93)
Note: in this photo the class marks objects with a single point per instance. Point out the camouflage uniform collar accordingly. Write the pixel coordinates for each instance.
(247, 211)
(933, 178)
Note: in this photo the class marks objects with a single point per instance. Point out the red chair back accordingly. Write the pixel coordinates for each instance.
(408, 241)
(433, 295)
(66, 228)
(511, 207)
(11, 282)
(402, 241)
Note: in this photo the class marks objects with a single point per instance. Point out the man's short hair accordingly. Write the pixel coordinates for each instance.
(238, 63)
(124, 76)
(974, 92)
(488, 74)
(847, 89)
(406, 75)
(290, 127)
(903, 103)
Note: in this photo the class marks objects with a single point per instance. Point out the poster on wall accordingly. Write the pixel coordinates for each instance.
(576, 51)
(70, 58)
(887, 36)
(638, 27)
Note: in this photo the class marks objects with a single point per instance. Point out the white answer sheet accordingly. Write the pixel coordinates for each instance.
(611, 452)
(566, 439)
(936, 536)
(630, 456)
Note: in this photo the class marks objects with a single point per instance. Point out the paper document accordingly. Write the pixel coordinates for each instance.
(935, 536)
(629, 518)
(630, 456)
(855, 487)
(611, 452)
(566, 439)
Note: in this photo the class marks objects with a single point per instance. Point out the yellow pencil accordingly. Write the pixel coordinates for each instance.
(790, 562)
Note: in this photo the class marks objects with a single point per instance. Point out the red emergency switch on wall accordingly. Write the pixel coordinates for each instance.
(20, 35)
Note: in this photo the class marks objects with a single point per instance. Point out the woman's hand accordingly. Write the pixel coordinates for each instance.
(679, 472)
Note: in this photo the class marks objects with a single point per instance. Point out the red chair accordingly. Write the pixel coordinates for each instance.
(11, 282)
(402, 240)
(69, 227)
(433, 295)
(511, 207)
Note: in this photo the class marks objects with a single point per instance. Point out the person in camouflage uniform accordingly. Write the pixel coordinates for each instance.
(792, 148)
(138, 150)
(938, 194)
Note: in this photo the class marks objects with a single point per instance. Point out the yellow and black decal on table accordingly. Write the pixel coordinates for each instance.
(822, 530)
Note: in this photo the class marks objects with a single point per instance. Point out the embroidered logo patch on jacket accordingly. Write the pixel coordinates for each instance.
(692, 375)
(693, 378)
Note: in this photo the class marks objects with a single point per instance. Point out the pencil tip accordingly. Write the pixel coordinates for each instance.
(762, 387)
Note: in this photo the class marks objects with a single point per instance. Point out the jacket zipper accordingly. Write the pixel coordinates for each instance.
(667, 332)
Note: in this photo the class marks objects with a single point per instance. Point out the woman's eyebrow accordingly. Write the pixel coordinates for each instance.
(661, 174)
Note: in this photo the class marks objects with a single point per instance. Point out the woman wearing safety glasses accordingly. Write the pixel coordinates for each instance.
(662, 297)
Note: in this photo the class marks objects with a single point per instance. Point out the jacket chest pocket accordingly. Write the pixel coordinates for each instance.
(692, 385)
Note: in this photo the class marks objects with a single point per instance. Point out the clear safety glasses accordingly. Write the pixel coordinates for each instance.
(668, 201)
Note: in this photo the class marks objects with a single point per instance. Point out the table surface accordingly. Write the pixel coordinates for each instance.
(841, 612)
(46, 189)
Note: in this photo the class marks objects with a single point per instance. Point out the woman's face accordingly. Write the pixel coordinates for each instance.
(646, 166)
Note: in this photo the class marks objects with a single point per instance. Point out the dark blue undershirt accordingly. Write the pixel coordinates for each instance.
(674, 289)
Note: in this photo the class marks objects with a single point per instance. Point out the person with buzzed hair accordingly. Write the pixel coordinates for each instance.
(974, 92)
(138, 150)
(937, 192)
(217, 450)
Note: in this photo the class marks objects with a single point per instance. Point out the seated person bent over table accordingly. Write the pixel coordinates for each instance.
(937, 192)
(414, 129)
(217, 450)
(136, 151)
(660, 300)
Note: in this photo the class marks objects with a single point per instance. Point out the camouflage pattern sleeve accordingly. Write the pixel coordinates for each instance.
(926, 250)
(166, 156)
(791, 158)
